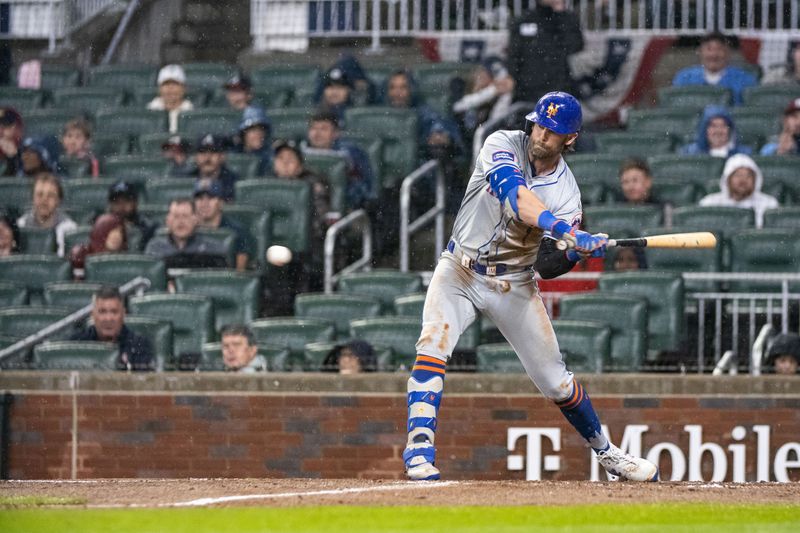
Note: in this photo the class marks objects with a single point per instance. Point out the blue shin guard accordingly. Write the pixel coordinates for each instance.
(425, 388)
(578, 410)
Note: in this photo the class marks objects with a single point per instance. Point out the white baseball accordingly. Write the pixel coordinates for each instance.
(278, 255)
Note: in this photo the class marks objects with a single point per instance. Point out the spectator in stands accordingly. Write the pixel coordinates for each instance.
(9, 235)
(740, 186)
(324, 134)
(636, 182)
(254, 133)
(490, 92)
(362, 91)
(210, 164)
(209, 206)
(46, 210)
(238, 93)
(123, 201)
(716, 135)
(181, 238)
(108, 235)
(788, 73)
(171, 94)
(240, 351)
(784, 353)
(788, 141)
(76, 143)
(624, 259)
(176, 151)
(337, 92)
(355, 357)
(11, 130)
(540, 43)
(36, 158)
(108, 315)
(714, 68)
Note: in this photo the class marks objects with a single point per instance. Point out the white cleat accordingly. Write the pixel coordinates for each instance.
(626, 466)
(424, 472)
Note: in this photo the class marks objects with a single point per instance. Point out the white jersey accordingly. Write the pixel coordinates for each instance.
(487, 231)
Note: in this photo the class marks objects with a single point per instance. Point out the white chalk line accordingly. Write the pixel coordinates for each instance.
(202, 502)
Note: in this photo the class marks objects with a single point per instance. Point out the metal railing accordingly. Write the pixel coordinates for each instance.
(276, 24)
(435, 213)
(356, 217)
(139, 284)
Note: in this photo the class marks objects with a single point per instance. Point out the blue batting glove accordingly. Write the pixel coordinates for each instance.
(587, 243)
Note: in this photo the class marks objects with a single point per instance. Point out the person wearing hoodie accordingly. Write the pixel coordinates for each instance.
(107, 235)
(740, 186)
(716, 135)
(35, 158)
(254, 133)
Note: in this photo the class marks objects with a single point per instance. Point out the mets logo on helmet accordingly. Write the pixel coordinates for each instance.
(552, 109)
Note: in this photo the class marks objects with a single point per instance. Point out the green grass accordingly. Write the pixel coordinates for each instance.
(345, 519)
(37, 501)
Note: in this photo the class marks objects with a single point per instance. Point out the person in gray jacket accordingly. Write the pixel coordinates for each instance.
(181, 238)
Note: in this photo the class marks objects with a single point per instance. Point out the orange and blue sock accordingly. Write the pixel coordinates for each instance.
(425, 387)
(578, 410)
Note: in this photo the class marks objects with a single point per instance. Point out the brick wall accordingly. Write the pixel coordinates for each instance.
(130, 434)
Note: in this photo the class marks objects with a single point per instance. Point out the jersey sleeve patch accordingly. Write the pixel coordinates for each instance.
(502, 155)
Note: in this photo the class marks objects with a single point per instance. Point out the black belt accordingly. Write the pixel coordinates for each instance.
(495, 269)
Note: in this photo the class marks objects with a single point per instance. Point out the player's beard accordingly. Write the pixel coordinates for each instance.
(542, 151)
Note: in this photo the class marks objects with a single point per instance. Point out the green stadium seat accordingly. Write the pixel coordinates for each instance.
(267, 98)
(772, 99)
(671, 122)
(280, 82)
(34, 271)
(690, 260)
(119, 269)
(398, 130)
(43, 122)
(435, 78)
(372, 146)
(81, 216)
(23, 100)
(16, 194)
(585, 345)
(13, 294)
(132, 122)
(73, 167)
(596, 168)
(159, 332)
(621, 220)
(765, 250)
(79, 235)
(693, 96)
(123, 76)
(293, 333)
(627, 318)
(110, 144)
(783, 218)
(54, 77)
(194, 124)
(697, 169)
(20, 360)
(412, 306)
(245, 165)
(290, 123)
(165, 190)
(149, 144)
(594, 193)
(499, 358)
(664, 292)
(753, 127)
(88, 99)
(333, 166)
(70, 294)
(209, 76)
(23, 321)
(631, 144)
(337, 308)
(154, 211)
(677, 192)
(317, 352)
(75, 355)
(236, 295)
(259, 222)
(135, 168)
(785, 169)
(398, 333)
(291, 225)
(87, 193)
(720, 219)
(385, 285)
(37, 240)
(191, 316)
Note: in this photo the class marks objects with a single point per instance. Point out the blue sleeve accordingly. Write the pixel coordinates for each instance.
(769, 149)
(687, 76)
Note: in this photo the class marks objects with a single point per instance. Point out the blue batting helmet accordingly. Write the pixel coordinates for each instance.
(557, 111)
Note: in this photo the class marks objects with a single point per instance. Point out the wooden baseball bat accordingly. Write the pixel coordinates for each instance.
(700, 239)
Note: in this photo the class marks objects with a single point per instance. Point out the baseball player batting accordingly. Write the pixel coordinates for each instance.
(520, 201)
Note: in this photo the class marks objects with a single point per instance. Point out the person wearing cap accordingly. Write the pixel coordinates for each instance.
(354, 357)
(175, 150)
(46, 210)
(788, 141)
(238, 92)
(209, 206)
(363, 90)
(783, 353)
(123, 201)
(171, 94)
(324, 134)
(715, 69)
(11, 130)
(181, 237)
(254, 133)
(36, 158)
(209, 163)
(76, 141)
(337, 89)
(491, 92)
